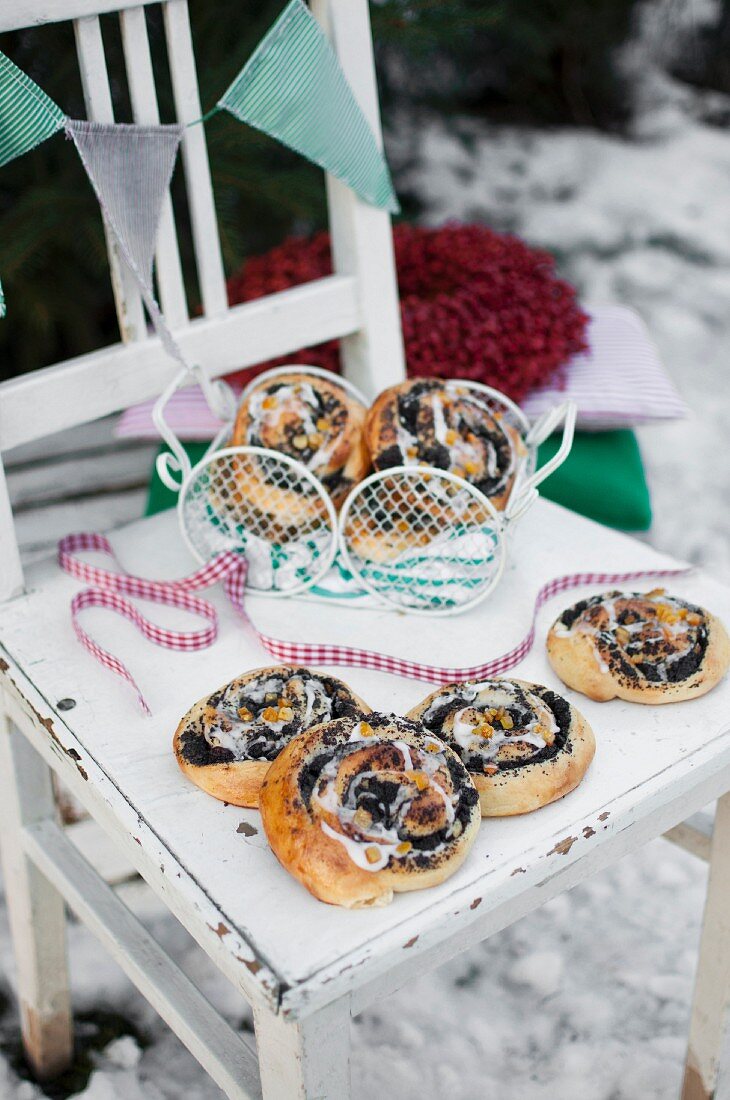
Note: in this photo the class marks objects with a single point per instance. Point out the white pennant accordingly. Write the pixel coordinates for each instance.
(130, 168)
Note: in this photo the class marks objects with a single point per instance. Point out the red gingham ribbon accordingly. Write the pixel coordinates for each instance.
(111, 587)
(231, 569)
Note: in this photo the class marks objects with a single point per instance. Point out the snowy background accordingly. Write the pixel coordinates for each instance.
(588, 998)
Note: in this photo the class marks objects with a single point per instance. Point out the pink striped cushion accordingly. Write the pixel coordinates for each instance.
(618, 383)
(187, 414)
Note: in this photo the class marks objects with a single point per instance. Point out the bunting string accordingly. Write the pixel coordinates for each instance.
(130, 168)
(111, 586)
(292, 88)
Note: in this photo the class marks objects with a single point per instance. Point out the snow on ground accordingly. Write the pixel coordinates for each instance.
(644, 222)
(588, 998)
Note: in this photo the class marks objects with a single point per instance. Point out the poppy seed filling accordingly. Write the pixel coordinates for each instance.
(253, 720)
(389, 802)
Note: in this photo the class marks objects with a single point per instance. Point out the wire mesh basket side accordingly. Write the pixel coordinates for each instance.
(498, 402)
(422, 540)
(268, 507)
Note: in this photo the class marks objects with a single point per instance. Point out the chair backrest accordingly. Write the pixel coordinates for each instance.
(358, 303)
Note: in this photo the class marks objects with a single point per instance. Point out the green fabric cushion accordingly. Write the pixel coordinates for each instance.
(602, 478)
(159, 497)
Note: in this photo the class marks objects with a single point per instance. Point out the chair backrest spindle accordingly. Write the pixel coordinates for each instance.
(206, 238)
(357, 304)
(99, 108)
(362, 242)
(143, 97)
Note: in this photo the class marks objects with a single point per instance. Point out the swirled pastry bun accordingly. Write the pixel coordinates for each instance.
(226, 741)
(432, 422)
(358, 809)
(644, 647)
(310, 419)
(523, 745)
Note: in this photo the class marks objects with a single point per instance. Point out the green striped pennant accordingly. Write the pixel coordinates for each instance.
(27, 115)
(293, 88)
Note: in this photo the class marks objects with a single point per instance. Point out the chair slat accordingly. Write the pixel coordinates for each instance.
(143, 96)
(48, 400)
(195, 158)
(99, 108)
(362, 243)
(11, 571)
(199, 1026)
(15, 15)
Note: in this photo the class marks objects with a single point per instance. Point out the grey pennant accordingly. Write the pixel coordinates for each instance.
(130, 168)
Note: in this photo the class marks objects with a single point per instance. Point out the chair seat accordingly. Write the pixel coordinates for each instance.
(654, 765)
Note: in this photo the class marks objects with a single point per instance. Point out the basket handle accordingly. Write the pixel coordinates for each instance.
(524, 492)
(172, 468)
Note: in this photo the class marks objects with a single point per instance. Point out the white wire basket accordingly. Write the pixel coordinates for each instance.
(413, 538)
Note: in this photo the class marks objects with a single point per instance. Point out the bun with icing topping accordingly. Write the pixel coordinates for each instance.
(226, 741)
(359, 809)
(644, 647)
(443, 423)
(523, 745)
(311, 419)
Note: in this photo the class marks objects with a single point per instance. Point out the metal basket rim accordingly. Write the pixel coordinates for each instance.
(304, 368)
(225, 452)
(446, 475)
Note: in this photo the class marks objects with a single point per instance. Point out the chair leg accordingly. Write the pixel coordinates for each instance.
(707, 1070)
(305, 1059)
(35, 909)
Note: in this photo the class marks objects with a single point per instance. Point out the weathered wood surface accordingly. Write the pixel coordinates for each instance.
(205, 1033)
(707, 1069)
(79, 479)
(35, 908)
(653, 767)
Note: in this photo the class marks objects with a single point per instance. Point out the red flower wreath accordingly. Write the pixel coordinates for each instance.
(474, 304)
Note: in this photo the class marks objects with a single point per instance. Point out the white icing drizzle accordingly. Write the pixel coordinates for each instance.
(494, 694)
(292, 398)
(461, 451)
(356, 849)
(469, 398)
(408, 445)
(646, 631)
(599, 659)
(311, 693)
(299, 399)
(466, 736)
(378, 839)
(228, 730)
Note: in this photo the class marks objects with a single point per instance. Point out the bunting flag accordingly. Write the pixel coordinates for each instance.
(27, 115)
(130, 168)
(293, 88)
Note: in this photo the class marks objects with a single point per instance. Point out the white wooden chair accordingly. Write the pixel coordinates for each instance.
(303, 966)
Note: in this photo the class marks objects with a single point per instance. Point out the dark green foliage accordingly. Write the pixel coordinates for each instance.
(540, 61)
(705, 57)
(537, 60)
(52, 253)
